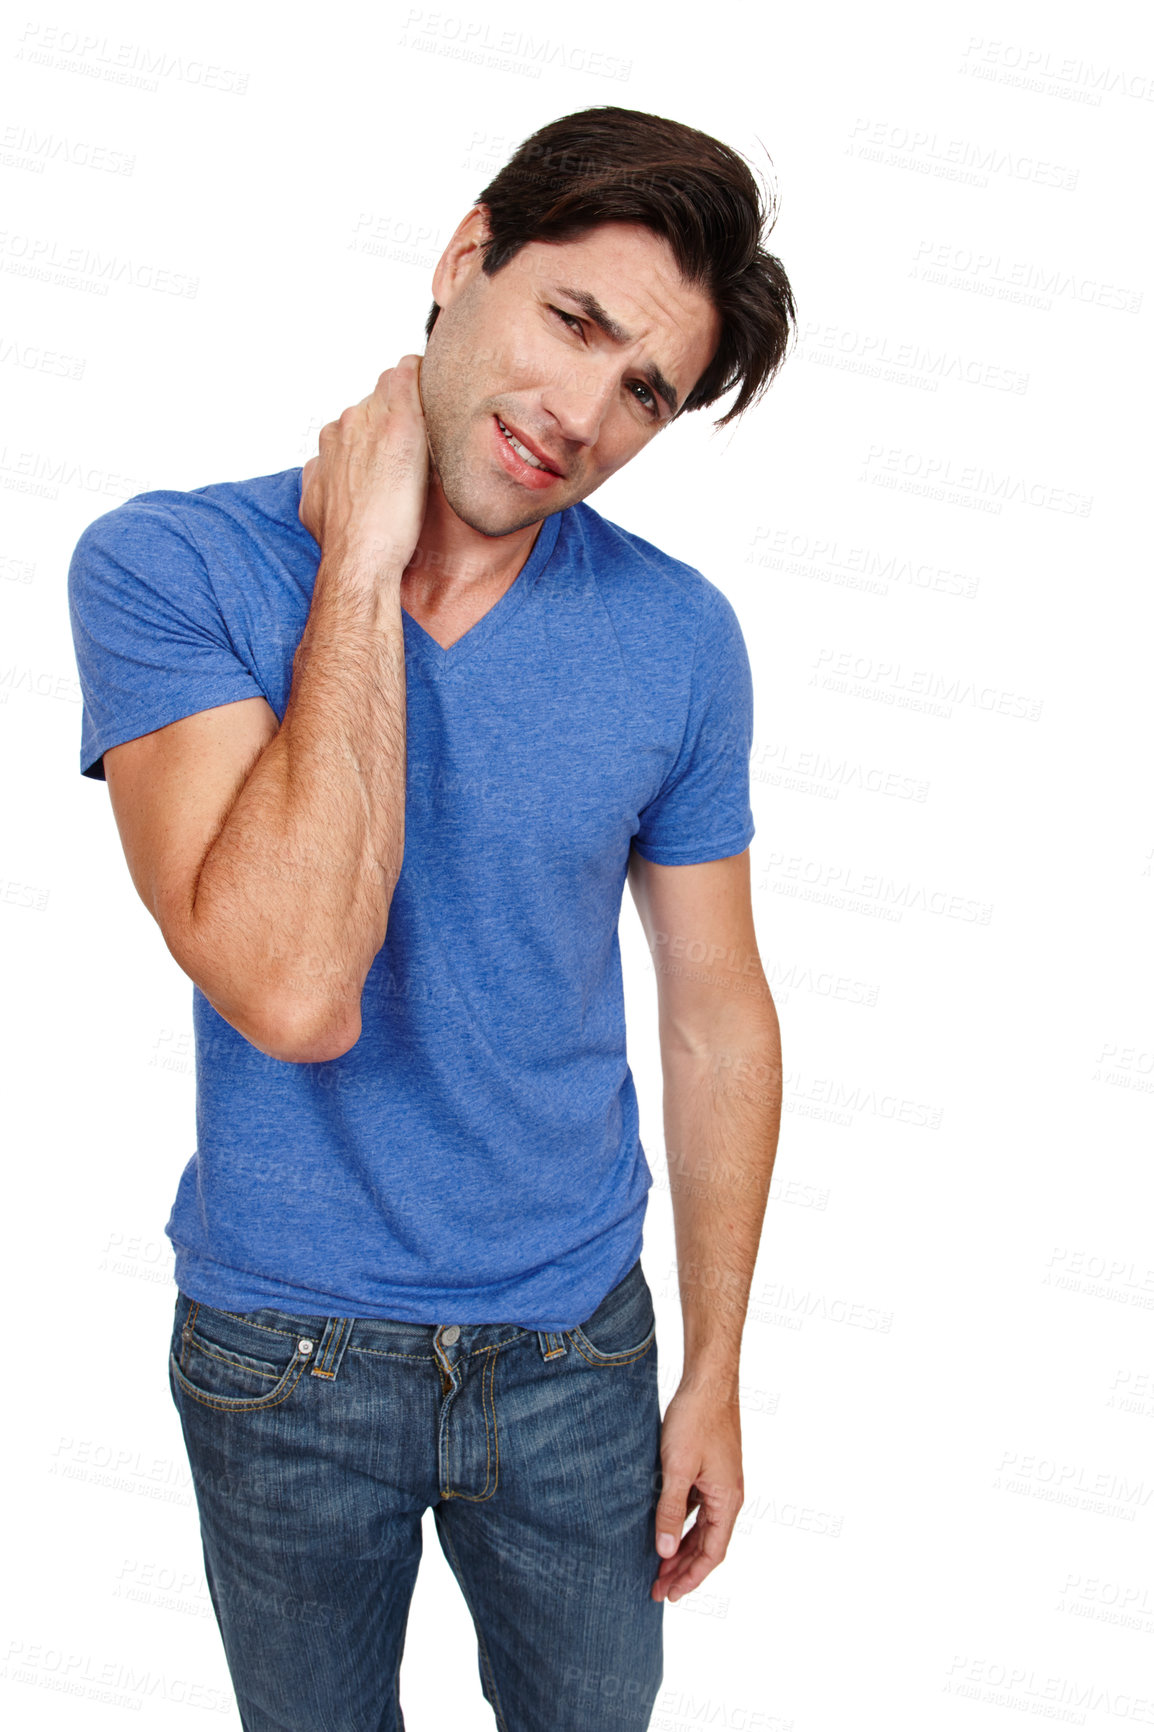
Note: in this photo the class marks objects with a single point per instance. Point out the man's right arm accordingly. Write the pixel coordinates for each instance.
(269, 855)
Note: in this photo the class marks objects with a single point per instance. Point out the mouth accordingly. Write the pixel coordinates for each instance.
(531, 463)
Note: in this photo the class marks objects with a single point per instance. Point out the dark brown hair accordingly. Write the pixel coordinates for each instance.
(618, 165)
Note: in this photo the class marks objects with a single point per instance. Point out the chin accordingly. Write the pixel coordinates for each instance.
(491, 518)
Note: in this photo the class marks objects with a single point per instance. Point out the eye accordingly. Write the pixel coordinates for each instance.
(646, 398)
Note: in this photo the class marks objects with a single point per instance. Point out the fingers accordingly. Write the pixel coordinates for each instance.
(700, 1552)
(402, 377)
(687, 1559)
(369, 483)
(672, 1509)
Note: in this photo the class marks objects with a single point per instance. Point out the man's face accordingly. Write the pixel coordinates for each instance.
(580, 351)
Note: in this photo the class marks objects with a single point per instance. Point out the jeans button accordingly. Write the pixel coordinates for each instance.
(304, 1346)
(450, 1335)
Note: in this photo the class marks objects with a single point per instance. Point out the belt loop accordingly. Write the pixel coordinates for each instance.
(552, 1346)
(327, 1357)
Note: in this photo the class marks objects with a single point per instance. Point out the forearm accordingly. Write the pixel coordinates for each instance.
(292, 901)
(722, 1117)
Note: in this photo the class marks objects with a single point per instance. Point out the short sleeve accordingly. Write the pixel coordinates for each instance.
(701, 811)
(151, 643)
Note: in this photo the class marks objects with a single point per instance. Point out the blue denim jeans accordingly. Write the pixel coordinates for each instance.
(316, 1444)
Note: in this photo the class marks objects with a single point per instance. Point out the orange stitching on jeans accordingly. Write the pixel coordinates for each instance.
(443, 1449)
(224, 1404)
(334, 1336)
(245, 1318)
(330, 1351)
(491, 1368)
(189, 1338)
(576, 1338)
(202, 1346)
(381, 1353)
(492, 1475)
(479, 1497)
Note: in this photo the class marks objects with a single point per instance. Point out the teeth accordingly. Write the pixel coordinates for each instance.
(519, 448)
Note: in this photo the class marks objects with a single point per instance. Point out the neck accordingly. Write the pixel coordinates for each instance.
(451, 559)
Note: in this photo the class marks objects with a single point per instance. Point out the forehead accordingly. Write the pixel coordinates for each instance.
(634, 275)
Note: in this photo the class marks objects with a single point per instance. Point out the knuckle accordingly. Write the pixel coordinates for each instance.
(678, 1470)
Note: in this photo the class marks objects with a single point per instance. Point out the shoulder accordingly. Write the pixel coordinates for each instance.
(624, 555)
(647, 584)
(219, 508)
(201, 548)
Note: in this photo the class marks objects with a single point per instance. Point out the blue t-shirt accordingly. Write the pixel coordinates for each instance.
(475, 1157)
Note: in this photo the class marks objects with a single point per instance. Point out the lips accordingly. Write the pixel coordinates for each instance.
(548, 464)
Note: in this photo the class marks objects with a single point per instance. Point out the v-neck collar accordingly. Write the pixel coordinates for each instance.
(502, 610)
(417, 639)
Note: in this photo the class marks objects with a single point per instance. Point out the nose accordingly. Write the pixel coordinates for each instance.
(579, 398)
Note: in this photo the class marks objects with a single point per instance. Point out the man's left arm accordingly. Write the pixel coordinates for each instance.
(721, 1066)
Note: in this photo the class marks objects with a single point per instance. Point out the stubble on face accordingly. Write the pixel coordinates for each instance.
(451, 366)
(491, 355)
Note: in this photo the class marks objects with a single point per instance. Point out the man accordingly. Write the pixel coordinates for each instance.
(384, 738)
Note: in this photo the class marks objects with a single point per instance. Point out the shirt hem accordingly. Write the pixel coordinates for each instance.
(696, 856)
(218, 693)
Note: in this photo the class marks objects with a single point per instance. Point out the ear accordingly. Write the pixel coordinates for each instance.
(461, 259)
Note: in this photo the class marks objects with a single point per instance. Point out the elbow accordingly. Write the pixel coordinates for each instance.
(310, 1017)
(299, 1034)
(291, 1027)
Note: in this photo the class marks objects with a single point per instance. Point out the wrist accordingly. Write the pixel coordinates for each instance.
(365, 557)
(715, 1381)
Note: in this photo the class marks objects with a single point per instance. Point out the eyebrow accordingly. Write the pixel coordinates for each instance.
(617, 333)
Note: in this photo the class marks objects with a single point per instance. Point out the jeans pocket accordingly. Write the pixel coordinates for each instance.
(223, 1360)
(623, 1328)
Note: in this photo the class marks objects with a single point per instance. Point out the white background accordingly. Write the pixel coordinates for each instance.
(948, 1376)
